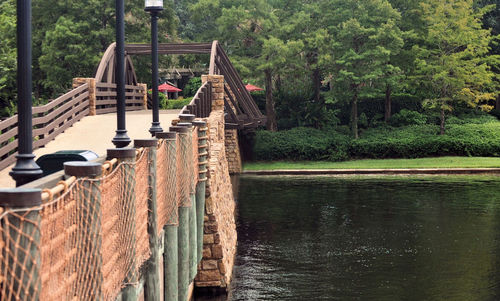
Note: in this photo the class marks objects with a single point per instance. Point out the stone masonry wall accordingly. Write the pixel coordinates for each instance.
(233, 151)
(219, 237)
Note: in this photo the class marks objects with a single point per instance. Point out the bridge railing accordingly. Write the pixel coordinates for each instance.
(48, 121)
(106, 97)
(241, 109)
(201, 104)
(99, 233)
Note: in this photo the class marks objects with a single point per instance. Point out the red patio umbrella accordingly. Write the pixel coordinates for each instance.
(168, 88)
(252, 88)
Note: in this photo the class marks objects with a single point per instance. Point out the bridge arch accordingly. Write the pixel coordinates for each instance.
(241, 110)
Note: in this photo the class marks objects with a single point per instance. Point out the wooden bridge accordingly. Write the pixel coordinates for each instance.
(148, 222)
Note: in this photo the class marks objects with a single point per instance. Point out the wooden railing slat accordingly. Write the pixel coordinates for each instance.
(54, 123)
(59, 110)
(60, 99)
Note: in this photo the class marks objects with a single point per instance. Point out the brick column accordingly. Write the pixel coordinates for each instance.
(233, 151)
(77, 82)
(217, 90)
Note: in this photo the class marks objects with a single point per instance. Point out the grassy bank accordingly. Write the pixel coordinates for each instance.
(439, 162)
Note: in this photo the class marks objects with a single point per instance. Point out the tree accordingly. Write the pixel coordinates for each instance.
(453, 61)
(248, 26)
(8, 57)
(365, 33)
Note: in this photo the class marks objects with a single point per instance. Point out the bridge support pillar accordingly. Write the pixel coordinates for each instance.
(233, 154)
(171, 244)
(201, 185)
(23, 280)
(152, 289)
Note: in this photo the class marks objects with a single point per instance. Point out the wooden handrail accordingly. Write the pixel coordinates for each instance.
(48, 121)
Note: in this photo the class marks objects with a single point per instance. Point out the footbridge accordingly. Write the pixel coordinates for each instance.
(146, 222)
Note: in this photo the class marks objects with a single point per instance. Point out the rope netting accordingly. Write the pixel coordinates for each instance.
(184, 172)
(142, 198)
(70, 244)
(166, 184)
(81, 247)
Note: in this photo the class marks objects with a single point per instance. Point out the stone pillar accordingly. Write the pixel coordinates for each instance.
(233, 151)
(77, 82)
(217, 90)
(145, 96)
(219, 237)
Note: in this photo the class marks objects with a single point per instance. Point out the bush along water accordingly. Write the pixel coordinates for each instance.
(416, 140)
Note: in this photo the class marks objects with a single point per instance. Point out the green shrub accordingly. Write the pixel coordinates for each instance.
(414, 141)
(407, 117)
(162, 99)
(300, 144)
(177, 104)
(191, 87)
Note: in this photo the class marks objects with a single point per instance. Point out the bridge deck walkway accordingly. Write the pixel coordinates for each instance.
(95, 133)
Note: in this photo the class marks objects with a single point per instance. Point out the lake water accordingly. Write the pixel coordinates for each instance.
(394, 238)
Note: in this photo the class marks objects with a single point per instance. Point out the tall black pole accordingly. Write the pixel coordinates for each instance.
(121, 139)
(25, 170)
(155, 125)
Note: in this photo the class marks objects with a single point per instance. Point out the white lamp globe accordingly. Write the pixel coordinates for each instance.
(153, 5)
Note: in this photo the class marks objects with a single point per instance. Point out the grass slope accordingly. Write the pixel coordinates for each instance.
(439, 162)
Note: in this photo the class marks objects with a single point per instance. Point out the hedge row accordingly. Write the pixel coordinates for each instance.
(414, 141)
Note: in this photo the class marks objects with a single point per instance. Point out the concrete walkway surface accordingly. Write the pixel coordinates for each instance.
(95, 133)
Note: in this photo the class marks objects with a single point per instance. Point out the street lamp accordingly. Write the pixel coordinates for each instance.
(121, 139)
(25, 170)
(154, 7)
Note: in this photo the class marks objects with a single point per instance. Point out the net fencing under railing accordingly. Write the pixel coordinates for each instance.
(183, 171)
(166, 191)
(87, 247)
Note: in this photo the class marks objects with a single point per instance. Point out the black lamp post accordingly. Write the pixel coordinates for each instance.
(25, 170)
(121, 139)
(154, 7)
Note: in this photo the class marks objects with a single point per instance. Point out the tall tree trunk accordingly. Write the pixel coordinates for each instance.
(354, 114)
(497, 105)
(317, 84)
(270, 113)
(278, 82)
(441, 126)
(388, 104)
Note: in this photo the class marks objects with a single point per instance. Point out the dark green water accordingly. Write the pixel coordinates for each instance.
(434, 238)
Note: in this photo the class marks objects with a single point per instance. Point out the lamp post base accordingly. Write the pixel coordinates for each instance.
(155, 128)
(121, 139)
(26, 170)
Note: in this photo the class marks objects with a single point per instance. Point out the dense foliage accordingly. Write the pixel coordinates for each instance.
(382, 70)
(316, 58)
(463, 138)
(69, 38)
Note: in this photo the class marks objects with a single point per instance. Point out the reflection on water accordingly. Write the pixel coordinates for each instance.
(433, 238)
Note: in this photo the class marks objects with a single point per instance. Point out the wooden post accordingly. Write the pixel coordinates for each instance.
(152, 287)
(89, 202)
(186, 121)
(21, 236)
(201, 186)
(183, 235)
(170, 249)
(131, 291)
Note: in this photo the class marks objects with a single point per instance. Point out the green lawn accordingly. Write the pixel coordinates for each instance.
(440, 162)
